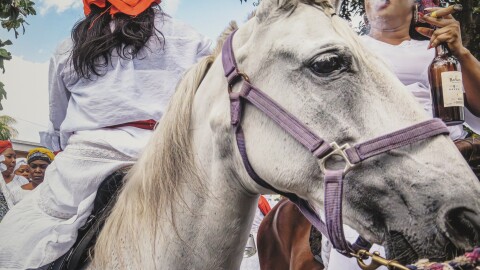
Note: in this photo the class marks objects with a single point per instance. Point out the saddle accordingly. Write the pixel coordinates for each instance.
(78, 255)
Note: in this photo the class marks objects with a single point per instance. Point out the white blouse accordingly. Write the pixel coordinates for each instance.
(13, 191)
(410, 61)
(131, 90)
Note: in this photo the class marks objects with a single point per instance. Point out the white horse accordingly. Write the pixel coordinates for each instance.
(189, 203)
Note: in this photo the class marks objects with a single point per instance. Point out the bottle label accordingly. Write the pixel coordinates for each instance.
(452, 89)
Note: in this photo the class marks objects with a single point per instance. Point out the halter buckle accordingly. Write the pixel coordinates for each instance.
(376, 261)
(337, 151)
(240, 75)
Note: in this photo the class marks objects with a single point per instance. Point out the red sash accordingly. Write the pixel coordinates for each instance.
(143, 124)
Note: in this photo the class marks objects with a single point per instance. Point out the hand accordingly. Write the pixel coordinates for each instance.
(448, 31)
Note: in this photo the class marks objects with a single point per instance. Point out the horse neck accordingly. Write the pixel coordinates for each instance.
(215, 228)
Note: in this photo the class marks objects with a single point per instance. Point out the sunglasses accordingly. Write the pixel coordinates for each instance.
(42, 166)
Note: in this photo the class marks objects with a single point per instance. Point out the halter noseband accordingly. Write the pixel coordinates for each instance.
(322, 150)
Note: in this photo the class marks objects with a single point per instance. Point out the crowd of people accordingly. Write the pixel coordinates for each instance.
(20, 175)
(99, 78)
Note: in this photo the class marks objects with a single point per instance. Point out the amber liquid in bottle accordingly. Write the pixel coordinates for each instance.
(446, 86)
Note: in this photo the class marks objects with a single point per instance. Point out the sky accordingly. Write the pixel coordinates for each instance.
(26, 75)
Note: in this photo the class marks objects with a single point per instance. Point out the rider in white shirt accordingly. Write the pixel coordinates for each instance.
(102, 112)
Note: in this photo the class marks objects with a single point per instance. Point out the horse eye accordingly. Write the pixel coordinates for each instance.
(326, 65)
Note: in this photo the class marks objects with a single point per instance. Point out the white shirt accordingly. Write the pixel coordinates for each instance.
(131, 90)
(410, 61)
(13, 191)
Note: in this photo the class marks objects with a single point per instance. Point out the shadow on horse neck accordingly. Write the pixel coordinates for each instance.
(189, 202)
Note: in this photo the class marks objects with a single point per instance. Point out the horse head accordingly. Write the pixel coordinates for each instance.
(419, 201)
(193, 193)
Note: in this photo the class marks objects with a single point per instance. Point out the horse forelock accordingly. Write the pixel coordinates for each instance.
(273, 8)
(152, 187)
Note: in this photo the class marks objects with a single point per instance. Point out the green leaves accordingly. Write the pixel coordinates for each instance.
(12, 17)
(3, 94)
(4, 54)
(13, 13)
(6, 130)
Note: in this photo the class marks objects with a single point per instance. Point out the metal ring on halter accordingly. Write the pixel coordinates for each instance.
(337, 151)
(376, 262)
(240, 75)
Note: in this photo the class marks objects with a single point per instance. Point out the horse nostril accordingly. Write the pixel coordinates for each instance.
(463, 228)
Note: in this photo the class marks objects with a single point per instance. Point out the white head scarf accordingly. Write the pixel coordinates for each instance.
(20, 162)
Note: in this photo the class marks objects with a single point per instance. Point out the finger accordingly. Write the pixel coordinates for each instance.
(440, 31)
(446, 38)
(451, 30)
(429, 11)
(442, 12)
(428, 32)
(440, 22)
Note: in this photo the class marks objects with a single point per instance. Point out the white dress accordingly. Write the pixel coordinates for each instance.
(44, 225)
(16, 190)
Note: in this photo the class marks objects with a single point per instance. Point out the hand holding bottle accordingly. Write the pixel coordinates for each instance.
(447, 29)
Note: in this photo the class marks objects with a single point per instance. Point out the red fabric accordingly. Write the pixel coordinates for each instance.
(144, 124)
(4, 145)
(129, 7)
(263, 205)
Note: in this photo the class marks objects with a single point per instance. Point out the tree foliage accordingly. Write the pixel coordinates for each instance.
(469, 19)
(7, 132)
(12, 17)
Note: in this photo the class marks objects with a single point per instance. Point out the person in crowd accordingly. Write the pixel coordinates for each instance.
(38, 159)
(408, 50)
(22, 168)
(108, 85)
(11, 183)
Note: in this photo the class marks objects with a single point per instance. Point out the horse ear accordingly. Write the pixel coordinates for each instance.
(266, 7)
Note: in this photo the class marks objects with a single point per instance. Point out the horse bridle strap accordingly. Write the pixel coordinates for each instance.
(333, 226)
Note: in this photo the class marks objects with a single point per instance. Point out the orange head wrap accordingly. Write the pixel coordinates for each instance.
(263, 205)
(4, 145)
(129, 7)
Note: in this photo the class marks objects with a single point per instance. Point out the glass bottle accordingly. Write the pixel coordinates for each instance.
(446, 86)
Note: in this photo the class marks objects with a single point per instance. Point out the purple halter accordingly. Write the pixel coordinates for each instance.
(333, 226)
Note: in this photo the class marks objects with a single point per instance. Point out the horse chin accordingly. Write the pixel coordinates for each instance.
(399, 248)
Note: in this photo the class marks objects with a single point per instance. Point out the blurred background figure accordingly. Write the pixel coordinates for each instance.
(22, 168)
(11, 182)
(38, 159)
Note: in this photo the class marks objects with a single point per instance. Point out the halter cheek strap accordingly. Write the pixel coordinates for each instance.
(322, 150)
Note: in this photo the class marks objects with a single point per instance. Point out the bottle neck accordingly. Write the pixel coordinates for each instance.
(442, 49)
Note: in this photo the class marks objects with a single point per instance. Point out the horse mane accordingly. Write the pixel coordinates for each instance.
(152, 186)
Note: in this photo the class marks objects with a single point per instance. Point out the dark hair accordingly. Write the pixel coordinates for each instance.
(94, 40)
